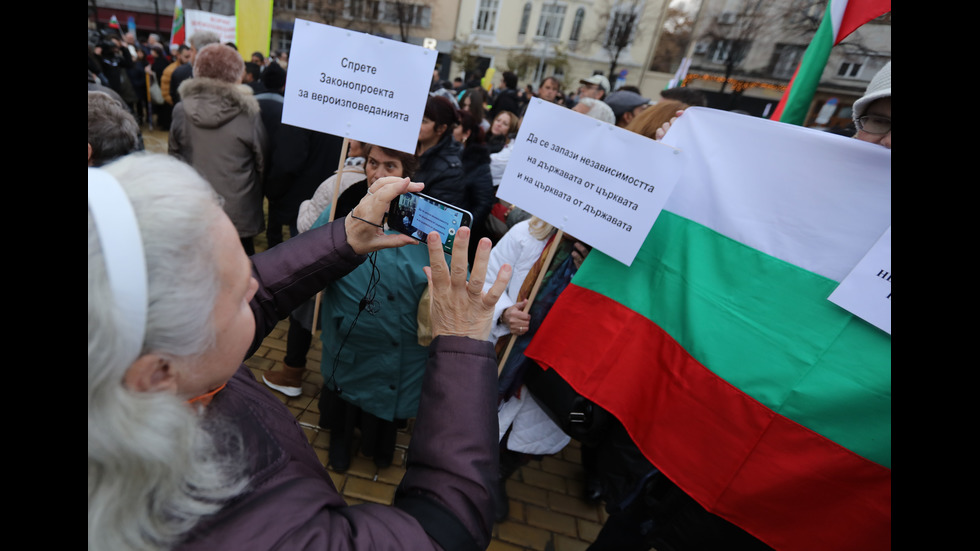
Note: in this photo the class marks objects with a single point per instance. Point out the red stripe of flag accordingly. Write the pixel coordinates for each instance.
(778, 480)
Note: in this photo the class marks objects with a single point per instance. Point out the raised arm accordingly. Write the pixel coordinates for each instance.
(453, 459)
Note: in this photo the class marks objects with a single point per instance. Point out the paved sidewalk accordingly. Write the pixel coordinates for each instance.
(546, 511)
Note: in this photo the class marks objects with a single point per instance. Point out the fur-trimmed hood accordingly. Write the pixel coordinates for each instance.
(210, 103)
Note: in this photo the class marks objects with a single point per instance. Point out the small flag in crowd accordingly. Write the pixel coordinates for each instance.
(840, 19)
(177, 30)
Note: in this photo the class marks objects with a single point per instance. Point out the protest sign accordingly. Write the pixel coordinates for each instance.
(602, 184)
(222, 25)
(867, 291)
(355, 85)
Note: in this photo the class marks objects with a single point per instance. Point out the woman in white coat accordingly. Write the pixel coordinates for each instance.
(526, 430)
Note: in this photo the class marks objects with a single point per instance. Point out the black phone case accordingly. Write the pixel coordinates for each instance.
(395, 223)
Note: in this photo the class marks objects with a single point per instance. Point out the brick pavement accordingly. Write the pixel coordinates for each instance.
(545, 510)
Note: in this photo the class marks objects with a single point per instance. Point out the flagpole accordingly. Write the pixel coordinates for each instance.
(530, 298)
(149, 101)
(333, 211)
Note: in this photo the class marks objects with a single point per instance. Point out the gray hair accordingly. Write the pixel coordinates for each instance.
(112, 130)
(201, 39)
(599, 110)
(154, 468)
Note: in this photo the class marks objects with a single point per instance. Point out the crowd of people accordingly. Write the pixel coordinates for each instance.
(187, 450)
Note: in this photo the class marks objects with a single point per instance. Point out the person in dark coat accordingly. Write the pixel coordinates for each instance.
(299, 159)
(478, 180)
(116, 61)
(440, 166)
(507, 99)
(187, 451)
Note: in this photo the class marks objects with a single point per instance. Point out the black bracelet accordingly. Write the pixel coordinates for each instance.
(366, 221)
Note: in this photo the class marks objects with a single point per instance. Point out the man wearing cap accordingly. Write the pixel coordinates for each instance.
(873, 111)
(626, 105)
(596, 86)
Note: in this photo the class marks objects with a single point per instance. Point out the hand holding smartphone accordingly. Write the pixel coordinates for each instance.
(417, 214)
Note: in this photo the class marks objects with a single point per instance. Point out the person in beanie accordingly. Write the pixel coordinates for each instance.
(217, 128)
(873, 111)
(626, 105)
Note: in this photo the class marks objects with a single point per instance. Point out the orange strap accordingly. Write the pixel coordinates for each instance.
(205, 399)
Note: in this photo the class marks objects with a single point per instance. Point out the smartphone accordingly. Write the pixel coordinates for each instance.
(417, 214)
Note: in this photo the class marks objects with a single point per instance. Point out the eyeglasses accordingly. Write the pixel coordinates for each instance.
(874, 124)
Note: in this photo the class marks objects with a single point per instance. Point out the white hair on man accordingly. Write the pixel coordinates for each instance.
(597, 109)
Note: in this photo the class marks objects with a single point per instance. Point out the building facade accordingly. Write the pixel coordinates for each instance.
(741, 53)
(744, 53)
(570, 39)
(429, 23)
(150, 16)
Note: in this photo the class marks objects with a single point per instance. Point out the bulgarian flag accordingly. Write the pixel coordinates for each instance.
(718, 349)
(839, 20)
(177, 30)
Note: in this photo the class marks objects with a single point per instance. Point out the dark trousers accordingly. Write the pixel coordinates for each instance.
(298, 341)
(273, 230)
(164, 113)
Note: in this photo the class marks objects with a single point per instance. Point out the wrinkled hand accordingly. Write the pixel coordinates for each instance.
(457, 306)
(666, 126)
(365, 238)
(516, 319)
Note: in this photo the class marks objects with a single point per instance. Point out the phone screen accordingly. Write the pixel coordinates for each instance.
(415, 215)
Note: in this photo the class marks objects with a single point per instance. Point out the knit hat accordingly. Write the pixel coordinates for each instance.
(273, 77)
(219, 62)
(879, 87)
(602, 81)
(623, 101)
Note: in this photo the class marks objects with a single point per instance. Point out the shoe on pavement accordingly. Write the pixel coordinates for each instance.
(289, 381)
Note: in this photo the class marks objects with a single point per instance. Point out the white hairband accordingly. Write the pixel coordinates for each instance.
(122, 248)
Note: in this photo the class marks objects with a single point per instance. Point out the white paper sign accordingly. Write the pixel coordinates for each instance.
(600, 183)
(866, 292)
(222, 25)
(355, 85)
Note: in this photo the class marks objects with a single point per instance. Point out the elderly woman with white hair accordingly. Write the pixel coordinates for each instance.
(217, 128)
(186, 450)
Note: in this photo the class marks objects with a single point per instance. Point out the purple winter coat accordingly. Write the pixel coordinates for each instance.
(291, 502)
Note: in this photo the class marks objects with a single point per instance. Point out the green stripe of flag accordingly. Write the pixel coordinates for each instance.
(805, 358)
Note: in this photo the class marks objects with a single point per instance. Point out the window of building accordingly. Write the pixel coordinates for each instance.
(850, 69)
(284, 42)
(622, 27)
(725, 50)
(549, 25)
(786, 58)
(525, 19)
(577, 25)
(486, 15)
(413, 14)
(364, 9)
